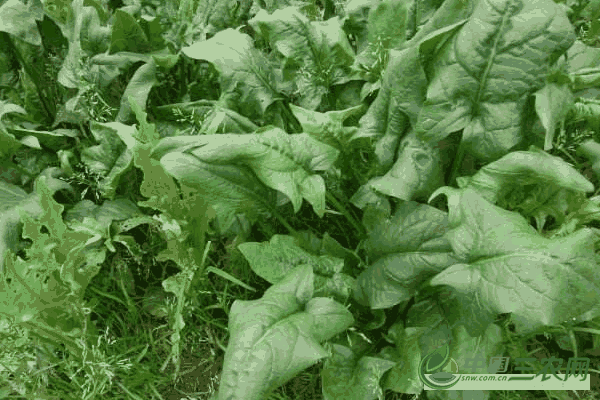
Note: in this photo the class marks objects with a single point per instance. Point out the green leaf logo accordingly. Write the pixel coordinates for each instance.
(437, 363)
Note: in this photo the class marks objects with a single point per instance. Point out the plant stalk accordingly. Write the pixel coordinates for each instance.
(341, 208)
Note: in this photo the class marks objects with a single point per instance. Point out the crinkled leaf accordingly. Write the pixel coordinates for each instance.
(386, 30)
(481, 79)
(239, 62)
(403, 90)
(581, 56)
(412, 226)
(94, 37)
(57, 267)
(217, 15)
(396, 277)
(277, 336)
(85, 36)
(11, 199)
(436, 329)
(533, 182)
(348, 377)
(510, 268)
(418, 171)
(326, 246)
(96, 220)
(466, 349)
(582, 65)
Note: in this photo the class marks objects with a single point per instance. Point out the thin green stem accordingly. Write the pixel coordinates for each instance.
(458, 160)
(341, 208)
(283, 221)
(587, 330)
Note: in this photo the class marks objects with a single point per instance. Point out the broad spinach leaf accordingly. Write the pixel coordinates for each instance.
(346, 376)
(482, 77)
(277, 336)
(111, 158)
(510, 268)
(408, 249)
(283, 162)
(274, 260)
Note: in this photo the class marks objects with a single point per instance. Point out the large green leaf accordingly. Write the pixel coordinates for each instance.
(85, 35)
(419, 169)
(55, 272)
(142, 81)
(510, 268)
(230, 189)
(275, 337)
(482, 77)
(328, 127)
(283, 162)
(582, 64)
(408, 249)
(127, 35)
(11, 199)
(466, 349)
(404, 376)
(552, 103)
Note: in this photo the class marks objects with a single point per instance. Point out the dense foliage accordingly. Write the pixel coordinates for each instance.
(297, 151)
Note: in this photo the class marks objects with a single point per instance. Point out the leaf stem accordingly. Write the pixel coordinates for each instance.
(341, 208)
(458, 160)
(283, 221)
